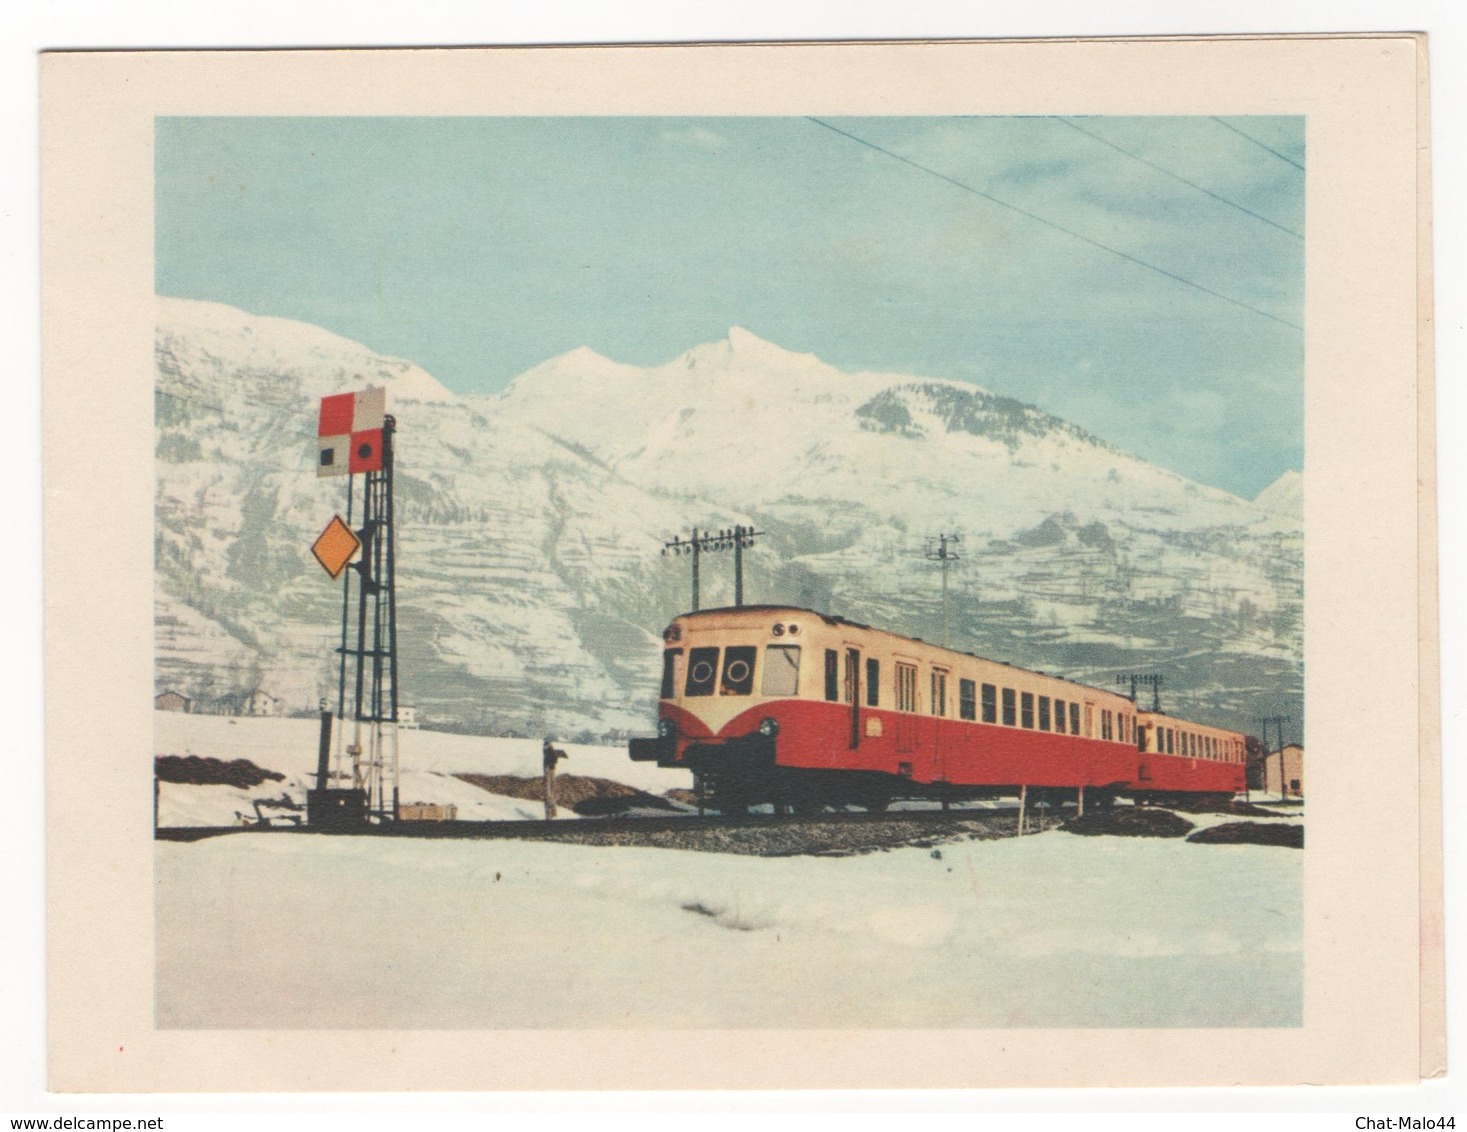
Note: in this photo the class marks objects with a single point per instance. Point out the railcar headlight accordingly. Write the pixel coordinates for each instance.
(778, 630)
(769, 727)
(665, 729)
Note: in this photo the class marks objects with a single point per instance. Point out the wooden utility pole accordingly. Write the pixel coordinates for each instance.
(696, 545)
(1278, 721)
(1152, 680)
(939, 550)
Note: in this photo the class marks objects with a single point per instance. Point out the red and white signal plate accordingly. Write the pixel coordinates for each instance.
(349, 432)
(335, 547)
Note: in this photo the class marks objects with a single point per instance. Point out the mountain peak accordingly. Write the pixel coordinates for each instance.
(1285, 496)
(743, 347)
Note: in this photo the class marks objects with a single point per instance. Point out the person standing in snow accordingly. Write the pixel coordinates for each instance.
(552, 755)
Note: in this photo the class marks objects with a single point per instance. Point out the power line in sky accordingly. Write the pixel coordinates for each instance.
(1179, 177)
(1058, 227)
(1259, 144)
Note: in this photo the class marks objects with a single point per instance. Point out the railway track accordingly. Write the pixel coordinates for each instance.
(829, 834)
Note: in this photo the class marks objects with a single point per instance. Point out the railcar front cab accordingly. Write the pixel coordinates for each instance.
(719, 666)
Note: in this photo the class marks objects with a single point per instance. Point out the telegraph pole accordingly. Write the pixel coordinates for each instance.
(939, 549)
(1152, 680)
(1278, 722)
(696, 545)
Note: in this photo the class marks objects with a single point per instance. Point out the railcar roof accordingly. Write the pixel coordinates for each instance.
(833, 619)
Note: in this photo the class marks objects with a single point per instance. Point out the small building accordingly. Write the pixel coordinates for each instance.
(254, 702)
(260, 702)
(1283, 773)
(172, 701)
(407, 717)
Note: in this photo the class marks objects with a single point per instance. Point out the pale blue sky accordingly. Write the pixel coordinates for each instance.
(478, 247)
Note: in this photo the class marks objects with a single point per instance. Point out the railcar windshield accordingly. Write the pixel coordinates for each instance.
(702, 671)
(738, 670)
(781, 670)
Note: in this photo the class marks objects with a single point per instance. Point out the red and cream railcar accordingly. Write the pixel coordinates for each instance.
(771, 703)
(1177, 756)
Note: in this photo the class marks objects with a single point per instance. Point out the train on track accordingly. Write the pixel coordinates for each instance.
(799, 709)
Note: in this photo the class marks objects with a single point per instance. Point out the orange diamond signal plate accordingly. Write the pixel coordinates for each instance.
(335, 547)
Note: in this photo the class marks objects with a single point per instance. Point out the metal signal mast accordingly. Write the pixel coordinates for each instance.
(356, 435)
(696, 545)
(939, 549)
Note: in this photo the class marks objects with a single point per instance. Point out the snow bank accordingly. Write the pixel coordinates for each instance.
(303, 931)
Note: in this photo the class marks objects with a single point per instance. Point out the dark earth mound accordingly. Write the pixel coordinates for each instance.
(1205, 806)
(1251, 833)
(191, 770)
(1129, 821)
(587, 796)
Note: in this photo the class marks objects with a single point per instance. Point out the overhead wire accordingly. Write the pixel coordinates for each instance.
(1178, 177)
(1259, 144)
(967, 188)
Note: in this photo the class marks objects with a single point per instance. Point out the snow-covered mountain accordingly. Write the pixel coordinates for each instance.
(531, 588)
(1285, 496)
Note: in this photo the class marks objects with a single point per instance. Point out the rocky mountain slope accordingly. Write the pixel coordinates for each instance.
(531, 587)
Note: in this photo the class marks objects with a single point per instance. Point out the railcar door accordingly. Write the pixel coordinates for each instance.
(938, 707)
(852, 693)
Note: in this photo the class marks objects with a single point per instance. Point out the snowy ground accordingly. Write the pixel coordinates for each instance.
(297, 931)
(429, 761)
(284, 930)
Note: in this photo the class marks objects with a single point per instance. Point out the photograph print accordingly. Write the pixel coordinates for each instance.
(729, 573)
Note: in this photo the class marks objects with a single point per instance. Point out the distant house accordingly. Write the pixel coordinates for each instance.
(172, 701)
(407, 717)
(261, 702)
(254, 702)
(1283, 772)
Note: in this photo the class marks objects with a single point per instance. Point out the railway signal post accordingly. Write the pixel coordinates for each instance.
(355, 435)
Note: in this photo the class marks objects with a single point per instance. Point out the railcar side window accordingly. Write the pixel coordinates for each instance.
(966, 706)
(1105, 723)
(669, 670)
(990, 704)
(1170, 741)
(1074, 718)
(738, 670)
(781, 671)
(939, 692)
(1009, 719)
(1044, 713)
(873, 682)
(702, 671)
(1026, 709)
(1059, 716)
(1090, 721)
(832, 675)
(906, 687)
